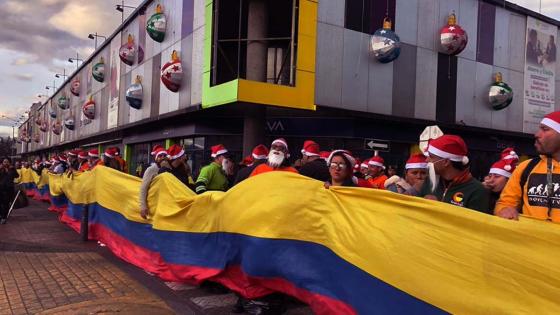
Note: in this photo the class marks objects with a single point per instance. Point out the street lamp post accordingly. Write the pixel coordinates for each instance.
(63, 75)
(120, 8)
(71, 60)
(94, 36)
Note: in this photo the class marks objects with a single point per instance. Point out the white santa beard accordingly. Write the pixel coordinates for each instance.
(275, 158)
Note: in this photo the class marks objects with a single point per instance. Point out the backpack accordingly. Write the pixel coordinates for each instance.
(525, 176)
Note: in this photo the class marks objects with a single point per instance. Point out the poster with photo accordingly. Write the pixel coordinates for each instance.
(540, 73)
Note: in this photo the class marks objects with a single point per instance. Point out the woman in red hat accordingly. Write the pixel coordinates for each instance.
(416, 171)
(341, 168)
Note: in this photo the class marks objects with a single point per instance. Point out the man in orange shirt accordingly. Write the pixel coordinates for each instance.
(534, 187)
(120, 160)
(277, 159)
(375, 176)
(93, 159)
(83, 164)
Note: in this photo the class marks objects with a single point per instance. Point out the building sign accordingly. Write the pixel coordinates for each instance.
(113, 110)
(540, 73)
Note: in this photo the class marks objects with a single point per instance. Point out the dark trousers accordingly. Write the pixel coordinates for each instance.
(6, 196)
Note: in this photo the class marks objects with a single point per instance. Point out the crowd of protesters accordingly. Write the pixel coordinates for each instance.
(440, 173)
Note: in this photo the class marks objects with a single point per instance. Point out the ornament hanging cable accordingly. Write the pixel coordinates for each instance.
(387, 9)
(362, 30)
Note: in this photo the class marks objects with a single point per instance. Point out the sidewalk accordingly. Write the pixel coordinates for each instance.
(46, 269)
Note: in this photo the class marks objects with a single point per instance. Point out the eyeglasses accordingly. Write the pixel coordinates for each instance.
(338, 165)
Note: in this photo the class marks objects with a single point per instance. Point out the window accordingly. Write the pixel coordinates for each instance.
(367, 16)
(254, 40)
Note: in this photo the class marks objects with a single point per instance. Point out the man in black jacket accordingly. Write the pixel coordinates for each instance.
(7, 175)
(312, 164)
(260, 154)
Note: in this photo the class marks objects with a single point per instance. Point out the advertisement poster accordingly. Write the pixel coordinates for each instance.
(540, 73)
(115, 73)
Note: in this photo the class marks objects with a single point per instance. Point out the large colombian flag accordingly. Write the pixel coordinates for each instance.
(342, 250)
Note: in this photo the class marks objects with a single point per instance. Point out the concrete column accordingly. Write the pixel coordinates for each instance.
(253, 127)
(255, 115)
(257, 50)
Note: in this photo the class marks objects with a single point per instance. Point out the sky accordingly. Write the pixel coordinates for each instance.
(38, 36)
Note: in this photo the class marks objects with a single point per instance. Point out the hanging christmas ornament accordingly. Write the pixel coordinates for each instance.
(56, 127)
(75, 87)
(135, 93)
(44, 127)
(36, 138)
(98, 70)
(157, 24)
(69, 121)
(63, 102)
(127, 52)
(89, 108)
(385, 44)
(52, 111)
(453, 39)
(172, 73)
(38, 120)
(500, 94)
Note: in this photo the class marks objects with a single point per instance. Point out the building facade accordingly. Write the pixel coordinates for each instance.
(257, 69)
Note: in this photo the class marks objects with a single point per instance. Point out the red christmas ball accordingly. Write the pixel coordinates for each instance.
(453, 38)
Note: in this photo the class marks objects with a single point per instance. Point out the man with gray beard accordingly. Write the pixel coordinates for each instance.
(277, 159)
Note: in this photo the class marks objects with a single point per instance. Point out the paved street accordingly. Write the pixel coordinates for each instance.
(46, 269)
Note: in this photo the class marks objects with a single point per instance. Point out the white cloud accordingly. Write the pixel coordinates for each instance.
(23, 76)
(20, 61)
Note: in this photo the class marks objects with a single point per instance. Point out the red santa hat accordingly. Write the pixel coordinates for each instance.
(377, 161)
(176, 151)
(416, 161)
(82, 155)
(503, 167)
(449, 147)
(324, 155)
(93, 153)
(73, 153)
(310, 148)
(280, 141)
(55, 159)
(218, 149)
(552, 120)
(248, 160)
(155, 149)
(346, 154)
(357, 165)
(159, 151)
(509, 154)
(62, 157)
(110, 152)
(364, 164)
(260, 152)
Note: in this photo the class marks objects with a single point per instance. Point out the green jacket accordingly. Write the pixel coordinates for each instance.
(470, 194)
(211, 177)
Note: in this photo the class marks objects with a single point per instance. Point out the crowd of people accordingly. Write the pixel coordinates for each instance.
(440, 173)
